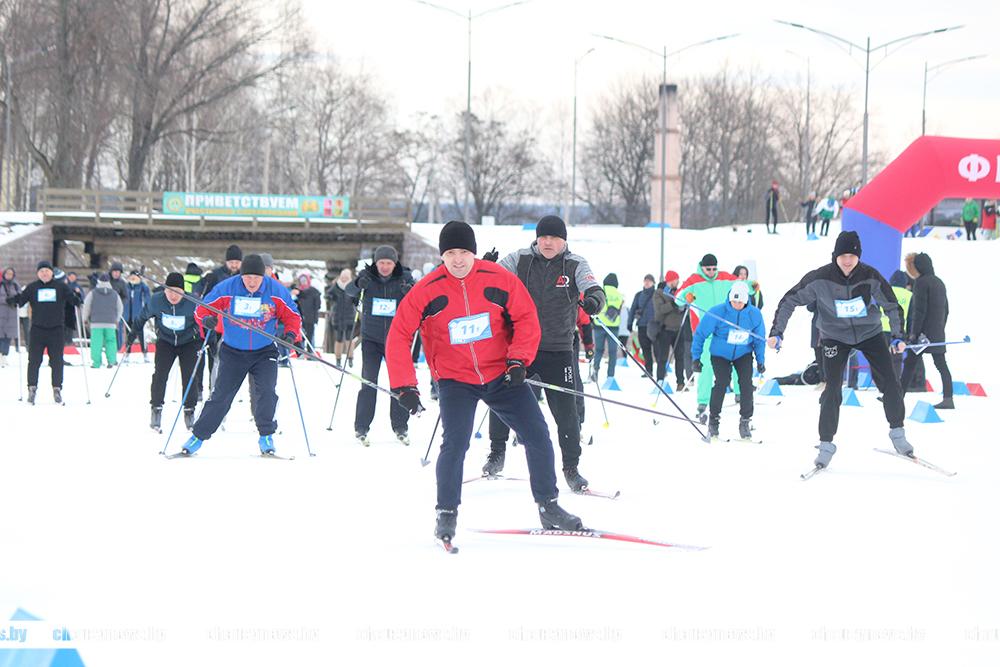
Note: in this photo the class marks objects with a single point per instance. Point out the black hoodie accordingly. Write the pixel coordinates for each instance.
(929, 305)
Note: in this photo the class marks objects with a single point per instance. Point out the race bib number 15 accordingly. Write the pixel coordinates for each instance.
(469, 329)
(851, 307)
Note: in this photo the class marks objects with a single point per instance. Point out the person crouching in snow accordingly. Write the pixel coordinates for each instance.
(737, 331)
(252, 302)
(480, 331)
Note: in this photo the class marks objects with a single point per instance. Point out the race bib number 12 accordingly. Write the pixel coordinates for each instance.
(851, 307)
(384, 307)
(463, 330)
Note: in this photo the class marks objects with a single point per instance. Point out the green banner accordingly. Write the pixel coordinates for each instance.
(291, 206)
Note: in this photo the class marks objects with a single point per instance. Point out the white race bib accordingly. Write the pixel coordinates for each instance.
(851, 308)
(469, 329)
(737, 337)
(384, 307)
(173, 322)
(247, 306)
(47, 295)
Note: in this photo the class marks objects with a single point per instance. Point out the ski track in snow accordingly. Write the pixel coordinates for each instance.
(331, 559)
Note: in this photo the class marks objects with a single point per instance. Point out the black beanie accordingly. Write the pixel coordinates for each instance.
(386, 252)
(457, 234)
(233, 252)
(175, 279)
(709, 260)
(193, 269)
(848, 243)
(611, 279)
(44, 264)
(551, 225)
(252, 265)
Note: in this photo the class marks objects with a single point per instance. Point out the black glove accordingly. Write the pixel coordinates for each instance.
(588, 350)
(12, 300)
(409, 398)
(405, 288)
(696, 366)
(492, 255)
(210, 322)
(516, 372)
(760, 367)
(590, 305)
(365, 277)
(288, 337)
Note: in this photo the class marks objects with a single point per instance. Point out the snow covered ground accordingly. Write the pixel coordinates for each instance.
(230, 559)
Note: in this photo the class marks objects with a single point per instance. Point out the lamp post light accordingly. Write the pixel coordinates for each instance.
(469, 17)
(572, 186)
(664, 54)
(868, 49)
(934, 68)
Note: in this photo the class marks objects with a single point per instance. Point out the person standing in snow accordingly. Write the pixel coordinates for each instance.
(8, 314)
(771, 201)
(927, 319)
(641, 313)
(610, 316)
(970, 218)
(101, 311)
(849, 297)
(309, 302)
(809, 213)
(341, 311)
(481, 332)
(555, 278)
(137, 299)
(736, 329)
(666, 329)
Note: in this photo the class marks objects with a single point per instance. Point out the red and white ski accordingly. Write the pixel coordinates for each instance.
(586, 533)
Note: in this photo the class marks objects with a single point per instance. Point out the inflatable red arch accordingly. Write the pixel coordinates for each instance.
(929, 170)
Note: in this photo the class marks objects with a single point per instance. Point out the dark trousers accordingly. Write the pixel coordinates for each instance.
(603, 339)
(372, 353)
(970, 231)
(835, 356)
(646, 345)
(824, 227)
(581, 404)
(940, 362)
(723, 369)
(516, 406)
(136, 331)
(234, 366)
(166, 353)
(897, 359)
(556, 368)
(309, 332)
(663, 347)
(810, 226)
(772, 215)
(5, 345)
(50, 340)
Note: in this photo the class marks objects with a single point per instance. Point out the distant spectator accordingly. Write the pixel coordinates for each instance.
(989, 226)
(809, 213)
(970, 218)
(102, 309)
(310, 302)
(771, 201)
(8, 314)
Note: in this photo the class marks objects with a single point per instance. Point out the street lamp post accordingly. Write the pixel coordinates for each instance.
(467, 121)
(572, 185)
(868, 49)
(932, 68)
(663, 121)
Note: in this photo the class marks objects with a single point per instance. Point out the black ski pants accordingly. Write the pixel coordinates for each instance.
(234, 366)
(940, 362)
(665, 342)
(163, 361)
(835, 356)
(646, 345)
(372, 354)
(136, 331)
(723, 369)
(51, 340)
(558, 368)
(516, 406)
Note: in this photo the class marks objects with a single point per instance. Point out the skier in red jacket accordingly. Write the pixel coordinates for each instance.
(480, 330)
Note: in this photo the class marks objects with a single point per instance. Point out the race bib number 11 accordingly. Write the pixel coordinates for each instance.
(463, 330)
(851, 307)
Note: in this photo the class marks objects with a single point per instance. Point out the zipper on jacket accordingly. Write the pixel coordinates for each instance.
(472, 346)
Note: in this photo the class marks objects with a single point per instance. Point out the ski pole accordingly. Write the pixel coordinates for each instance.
(479, 428)
(607, 422)
(651, 378)
(295, 387)
(194, 373)
(20, 371)
(574, 392)
(350, 349)
(732, 324)
(673, 348)
(920, 347)
(79, 331)
(424, 461)
(118, 367)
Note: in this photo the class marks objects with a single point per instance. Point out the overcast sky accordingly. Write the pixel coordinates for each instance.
(418, 54)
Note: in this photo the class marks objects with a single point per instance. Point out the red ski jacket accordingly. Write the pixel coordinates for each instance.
(470, 327)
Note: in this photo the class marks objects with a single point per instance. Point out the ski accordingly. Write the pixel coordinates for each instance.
(276, 456)
(179, 455)
(493, 478)
(809, 475)
(447, 546)
(918, 461)
(747, 440)
(588, 533)
(598, 494)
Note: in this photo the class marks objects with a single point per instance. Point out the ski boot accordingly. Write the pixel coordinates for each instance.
(31, 394)
(494, 462)
(701, 414)
(899, 442)
(713, 427)
(745, 429)
(192, 445)
(266, 444)
(57, 394)
(155, 417)
(403, 437)
(826, 452)
(362, 437)
(444, 529)
(947, 403)
(189, 418)
(577, 483)
(554, 517)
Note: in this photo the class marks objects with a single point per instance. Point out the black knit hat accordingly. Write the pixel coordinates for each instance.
(551, 225)
(175, 279)
(386, 252)
(457, 234)
(709, 260)
(233, 252)
(117, 266)
(44, 264)
(252, 265)
(848, 243)
(193, 269)
(611, 279)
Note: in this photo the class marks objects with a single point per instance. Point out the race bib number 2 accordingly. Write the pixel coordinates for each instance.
(463, 330)
(851, 307)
